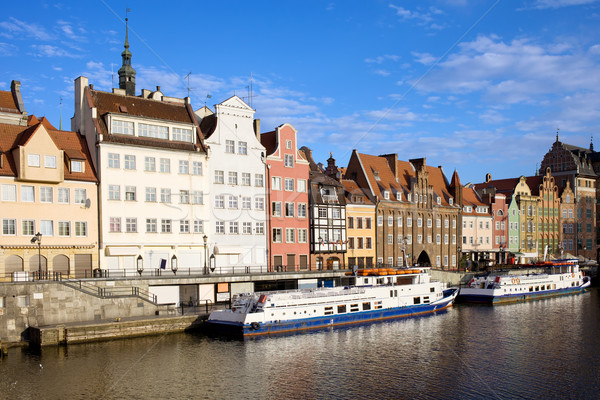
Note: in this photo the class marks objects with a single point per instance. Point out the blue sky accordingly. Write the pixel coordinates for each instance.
(474, 85)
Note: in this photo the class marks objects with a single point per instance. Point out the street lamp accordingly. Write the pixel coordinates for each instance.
(38, 238)
(140, 265)
(205, 238)
(174, 264)
(213, 263)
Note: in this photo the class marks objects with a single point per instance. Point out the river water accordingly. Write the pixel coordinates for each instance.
(545, 349)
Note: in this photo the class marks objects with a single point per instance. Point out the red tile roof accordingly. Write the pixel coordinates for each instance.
(7, 102)
(352, 188)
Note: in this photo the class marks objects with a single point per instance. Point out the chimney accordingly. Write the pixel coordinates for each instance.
(392, 160)
(257, 128)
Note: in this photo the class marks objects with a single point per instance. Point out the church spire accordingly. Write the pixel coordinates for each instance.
(126, 72)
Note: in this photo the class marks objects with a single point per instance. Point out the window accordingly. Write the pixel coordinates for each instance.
(27, 194)
(219, 201)
(302, 235)
(409, 221)
(151, 194)
(246, 203)
(429, 223)
(151, 225)
(233, 202)
(80, 228)
(288, 160)
(184, 167)
(115, 224)
(246, 228)
(276, 235)
(438, 239)
(129, 162)
(50, 161)
(77, 166)
(219, 227)
(229, 146)
(419, 222)
(289, 209)
(114, 192)
(149, 164)
(350, 223)
(153, 131)
(165, 225)
(165, 165)
(259, 203)
(27, 227)
(390, 239)
(198, 226)
(47, 227)
(242, 148)
(288, 144)
(46, 194)
(9, 226)
(114, 160)
(289, 184)
(80, 196)
(233, 178)
(419, 239)
(290, 235)
(301, 185)
(182, 135)
(130, 193)
(33, 160)
(380, 220)
(64, 195)
(276, 209)
(9, 192)
(184, 226)
(219, 177)
(322, 212)
(336, 213)
(368, 243)
(122, 127)
(184, 197)
(276, 183)
(197, 197)
(390, 221)
(246, 178)
(64, 228)
(260, 228)
(197, 168)
(446, 238)
(258, 180)
(368, 223)
(359, 222)
(165, 195)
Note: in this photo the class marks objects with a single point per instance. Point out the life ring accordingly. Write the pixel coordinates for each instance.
(255, 326)
(518, 280)
(513, 281)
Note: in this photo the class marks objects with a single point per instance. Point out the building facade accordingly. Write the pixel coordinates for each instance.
(477, 240)
(360, 227)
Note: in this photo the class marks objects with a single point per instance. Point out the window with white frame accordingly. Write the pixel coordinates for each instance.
(219, 176)
(288, 144)
(290, 235)
(453, 239)
(153, 131)
(246, 178)
(9, 226)
(276, 235)
(301, 185)
(27, 194)
(336, 213)
(419, 239)
(445, 261)
(233, 202)
(182, 135)
(322, 212)
(242, 148)
(220, 227)
(129, 162)
(184, 197)
(80, 196)
(409, 221)
(122, 127)
(289, 209)
(275, 183)
(408, 239)
(114, 192)
(114, 224)
(64, 195)
(9, 192)
(50, 161)
(446, 238)
(302, 235)
(184, 226)
(276, 209)
(114, 160)
(289, 184)
(80, 228)
(419, 222)
(28, 227)
(198, 226)
(197, 197)
(380, 220)
(165, 195)
(151, 225)
(47, 227)
(438, 261)
(233, 178)
(302, 210)
(229, 146)
(428, 238)
(76, 166)
(166, 225)
(390, 239)
(288, 160)
(149, 164)
(165, 165)
(130, 225)
(259, 180)
(219, 201)
(259, 203)
(184, 167)
(429, 223)
(33, 160)
(64, 228)
(197, 168)
(390, 220)
(260, 228)
(454, 260)
(150, 194)
(438, 239)
(246, 202)
(129, 193)
(438, 223)
(46, 194)
(246, 228)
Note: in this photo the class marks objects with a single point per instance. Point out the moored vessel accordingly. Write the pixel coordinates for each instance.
(373, 295)
(562, 277)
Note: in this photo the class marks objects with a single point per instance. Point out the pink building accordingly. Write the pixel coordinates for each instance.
(287, 197)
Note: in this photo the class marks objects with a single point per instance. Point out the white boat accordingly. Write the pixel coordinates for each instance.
(374, 295)
(563, 277)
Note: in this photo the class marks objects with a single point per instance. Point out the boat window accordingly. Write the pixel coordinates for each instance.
(417, 300)
(366, 305)
(391, 293)
(353, 307)
(531, 288)
(328, 310)
(543, 287)
(380, 281)
(396, 293)
(537, 288)
(341, 309)
(432, 289)
(378, 305)
(426, 299)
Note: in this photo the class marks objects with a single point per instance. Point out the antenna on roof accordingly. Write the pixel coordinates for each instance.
(250, 93)
(188, 83)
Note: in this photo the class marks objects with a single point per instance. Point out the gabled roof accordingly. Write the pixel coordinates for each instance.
(352, 188)
(504, 186)
(269, 140)
(7, 103)
(471, 198)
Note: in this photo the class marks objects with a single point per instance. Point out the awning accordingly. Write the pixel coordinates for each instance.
(122, 251)
(228, 249)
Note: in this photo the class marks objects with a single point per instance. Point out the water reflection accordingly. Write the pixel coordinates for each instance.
(542, 349)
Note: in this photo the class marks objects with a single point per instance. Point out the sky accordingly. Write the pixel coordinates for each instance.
(477, 86)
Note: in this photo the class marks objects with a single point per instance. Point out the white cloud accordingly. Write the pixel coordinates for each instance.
(46, 50)
(17, 28)
(543, 4)
(381, 59)
(7, 49)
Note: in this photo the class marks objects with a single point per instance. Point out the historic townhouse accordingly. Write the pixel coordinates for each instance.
(360, 227)
(287, 195)
(327, 211)
(548, 214)
(151, 165)
(477, 242)
(567, 220)
(514, 231)
(499, 208)
(580, 167)
(238, 171)
(48, 202)
(417, 212)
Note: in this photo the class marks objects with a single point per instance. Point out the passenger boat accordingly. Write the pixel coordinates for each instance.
(562, 277)
(374, 295)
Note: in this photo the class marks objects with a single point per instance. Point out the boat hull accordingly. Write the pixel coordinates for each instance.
(336, 320)
(468, 295)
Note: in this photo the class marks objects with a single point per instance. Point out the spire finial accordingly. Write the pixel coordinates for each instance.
(126, 72)
(592, 143)
(557, 129)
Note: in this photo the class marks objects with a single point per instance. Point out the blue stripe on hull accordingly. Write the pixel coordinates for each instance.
(512, 298)
(330, 320)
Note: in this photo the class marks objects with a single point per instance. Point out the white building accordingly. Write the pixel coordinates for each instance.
(237, 169)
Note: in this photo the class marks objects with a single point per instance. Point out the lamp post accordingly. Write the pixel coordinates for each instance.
(205, 238)
(38, 238)
(140, 265)
(174, 264)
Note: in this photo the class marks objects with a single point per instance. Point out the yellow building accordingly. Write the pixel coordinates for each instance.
(360, 227)
(48, 197)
